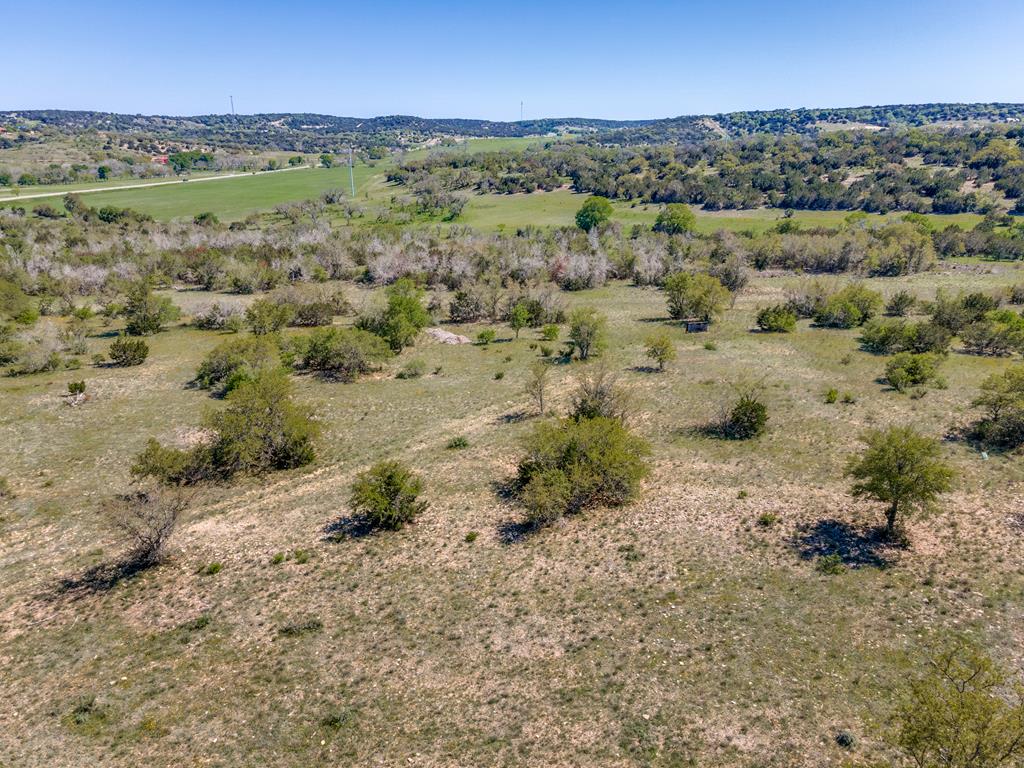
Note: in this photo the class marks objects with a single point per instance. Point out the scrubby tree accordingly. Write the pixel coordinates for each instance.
(779, 318)
(902, 469)
(659, 348)
(1002, 400)
(695, 296)
(518, 317)
(236, 360)
(402, 318)
(147, 313)
(537, 383)
(912, 369)
(587, 331)
(852, 306)
(145, 520)
(387, 495)
(266, 316)
(125, 351)
(343, 353)
(572, 465)
(599, 395)
(675, 219)
(965, 711)
(900, 303)
(595, 212)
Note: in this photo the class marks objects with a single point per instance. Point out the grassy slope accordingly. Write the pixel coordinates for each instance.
(675, 630)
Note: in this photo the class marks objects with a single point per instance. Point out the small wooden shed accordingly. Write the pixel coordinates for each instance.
(696, 325)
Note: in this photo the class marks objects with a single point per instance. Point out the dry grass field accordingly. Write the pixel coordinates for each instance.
(680, 630)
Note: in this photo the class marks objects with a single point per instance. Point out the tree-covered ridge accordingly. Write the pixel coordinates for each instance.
(922, 170)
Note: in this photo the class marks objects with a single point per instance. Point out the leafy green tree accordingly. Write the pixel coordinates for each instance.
(852, 306)
(595, 212)
(900, 468)
(587, 331)
(388, 495)
(537, 383)
(675, 219)
(402, 319)
(695, 296)
(326, 160)
(747, 419)
(1002, 398)
(236, 360)
(660, 349)
(146, 313)
(519, 317)
(965, 712)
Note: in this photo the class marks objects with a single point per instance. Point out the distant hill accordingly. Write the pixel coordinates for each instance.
(315, 132)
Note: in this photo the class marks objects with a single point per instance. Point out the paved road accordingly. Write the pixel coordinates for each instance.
(143, 185)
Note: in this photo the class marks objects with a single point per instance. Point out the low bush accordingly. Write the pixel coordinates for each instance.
(910, 369)
(852, 306)
(777, 319)
(1002, 399)
(413, 369)
(343, 353)
(746, 419)
(900, 304)
(234, 361)
(572, 465)
(387, 495)
(999, 332)
(127, 351)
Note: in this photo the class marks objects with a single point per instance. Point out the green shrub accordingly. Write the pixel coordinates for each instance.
(125, 351)
(388, 495)
(343, 353)
(852, 306)
(776, 319)
(884, 336)
(573, 465)
(413, 369)
(76, 388)
(832, 395)
(236, 360)
(402, 319)
(660, 349)
(1002, 398)
(900, 304)
(747, 418)
(594, 212)
(910, 369)
(998, 332)
(146, 313)
(266, 316)
(486, 336)
(587, 331)
(831, 565)
(695, 296)
(457, 443)
(599, 395)
(767, 519)
(550, 332)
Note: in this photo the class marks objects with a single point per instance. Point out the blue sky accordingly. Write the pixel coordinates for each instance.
(477, 59)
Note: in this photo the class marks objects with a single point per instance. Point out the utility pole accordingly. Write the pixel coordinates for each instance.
(520, 111)
(351, 175)
(232, 104)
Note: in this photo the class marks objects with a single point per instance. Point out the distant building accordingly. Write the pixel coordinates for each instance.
(696, 325)
(162, 159)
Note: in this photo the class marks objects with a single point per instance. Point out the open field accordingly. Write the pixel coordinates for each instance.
(673, 632)
(231, 199)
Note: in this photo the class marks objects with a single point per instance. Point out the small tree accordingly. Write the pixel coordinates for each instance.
(572, 465)
(146, 313)
(675, 219)
(595, 212)
(236, 360)
(660, 349)
(587, 331)
(266, 316)
(1002, 398)
(537, 383)
(402, 319)
(146, 520)
(125, 351)
(910, 369)
(900, 304)
(964, 712)
(387, 494)
(344, 353)
(746, 419)
(900, 468)
(776, 319)
(695, 296)
(519, 317)
(598, 395)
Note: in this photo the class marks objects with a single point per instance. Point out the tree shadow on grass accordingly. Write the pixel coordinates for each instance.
(513, 417)
(857, 546)
(514, 531)
(349, 527)
(100, 578)
(646, 369)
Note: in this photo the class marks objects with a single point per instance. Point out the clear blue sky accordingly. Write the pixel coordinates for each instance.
(479, 59)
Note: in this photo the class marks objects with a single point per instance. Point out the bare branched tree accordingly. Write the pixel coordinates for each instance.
(145, 520)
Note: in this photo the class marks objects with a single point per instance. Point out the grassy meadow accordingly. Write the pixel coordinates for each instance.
(676, 631)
